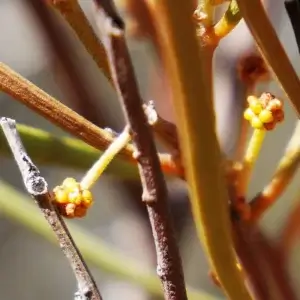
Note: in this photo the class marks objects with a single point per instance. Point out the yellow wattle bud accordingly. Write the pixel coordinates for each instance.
(266, 116)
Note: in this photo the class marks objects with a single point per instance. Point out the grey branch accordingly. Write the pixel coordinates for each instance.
(37, 187)
(155, 195)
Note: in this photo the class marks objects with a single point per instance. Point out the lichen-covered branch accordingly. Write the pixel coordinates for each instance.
(94, 250)
(37, 187)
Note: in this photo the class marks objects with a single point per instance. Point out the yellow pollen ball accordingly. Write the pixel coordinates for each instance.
(75, 197)
(248, 114)
(266, 116)
(70, 183)
(257, 123)
(256, 107)
(61, 196)
(87, 198)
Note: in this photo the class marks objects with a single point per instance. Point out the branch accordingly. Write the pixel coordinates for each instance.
(96, 251)
(46, 149)
(73, 14)
(189, 67)
(228, 21)
(284, 173)
(61, 49)
(36, 99)
(37, 187)
(155, 196)
(165, 131)
(265, 36)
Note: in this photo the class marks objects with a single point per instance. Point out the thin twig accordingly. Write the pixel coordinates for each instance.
(62, 50)
(284, 173)
(164, 130)
(73, 14)
(155, 196)
(265, 36)
(37, 187)
(36, 99)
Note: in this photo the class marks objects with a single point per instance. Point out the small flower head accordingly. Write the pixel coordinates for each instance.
(71, 200)
(264, 112)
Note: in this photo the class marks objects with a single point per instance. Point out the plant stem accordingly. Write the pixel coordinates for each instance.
(228, 21)
(101, 164)
(249, 160)
(73, 78)
(265, 36)
(284, 173)
(155, 195)
(37, 187)
(73, 14)
(189, 68)
(36, 99)
(95, 251)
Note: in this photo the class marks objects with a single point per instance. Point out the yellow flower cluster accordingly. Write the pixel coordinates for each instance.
(264, 112)
(71, 200)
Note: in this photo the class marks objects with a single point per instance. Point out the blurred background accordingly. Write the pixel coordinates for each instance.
(30, 265)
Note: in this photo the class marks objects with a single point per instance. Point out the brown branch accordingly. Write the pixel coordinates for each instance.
(169, 267)
(165, 131)
(37, 187)
(62, 50)
(245, 245)
(263, 261)
(39, 101)
(73, 14)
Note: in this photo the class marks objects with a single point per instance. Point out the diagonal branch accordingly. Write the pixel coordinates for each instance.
(155, 196)
(39, 101)
(37, 187)
(73, 14)
(62, 51)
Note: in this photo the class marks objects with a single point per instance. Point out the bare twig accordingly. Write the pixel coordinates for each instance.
(62, 51)
(164, 130)
(37, 187)
(36, 99)
(155, 194)
(73, 14)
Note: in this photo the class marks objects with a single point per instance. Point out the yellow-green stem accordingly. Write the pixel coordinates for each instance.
(228, 21)
(190, 72)
(250, 158)
(101, 164)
